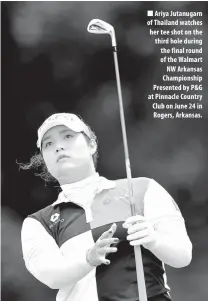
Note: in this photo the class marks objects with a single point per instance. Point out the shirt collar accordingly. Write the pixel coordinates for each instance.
(84, 191)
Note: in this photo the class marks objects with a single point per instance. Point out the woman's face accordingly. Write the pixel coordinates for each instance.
(65, 151)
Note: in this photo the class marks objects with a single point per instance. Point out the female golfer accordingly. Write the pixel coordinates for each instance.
(82, 243)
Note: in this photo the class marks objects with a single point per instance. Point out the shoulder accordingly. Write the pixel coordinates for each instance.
(43, 213)
(155, 188)
(45, 216)
(40, 220)
(158, 202)
(140, 184)
(142, 181)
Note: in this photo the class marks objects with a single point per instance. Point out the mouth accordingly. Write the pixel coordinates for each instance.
(62, 157)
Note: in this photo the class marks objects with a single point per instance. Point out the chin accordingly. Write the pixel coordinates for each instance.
(68, 167)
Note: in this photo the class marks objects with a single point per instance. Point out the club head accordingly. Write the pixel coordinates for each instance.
(101, 27)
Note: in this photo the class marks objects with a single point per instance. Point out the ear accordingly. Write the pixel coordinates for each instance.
(93, 146)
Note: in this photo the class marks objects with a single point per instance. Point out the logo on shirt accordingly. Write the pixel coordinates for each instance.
(54, 217)
(123, 195)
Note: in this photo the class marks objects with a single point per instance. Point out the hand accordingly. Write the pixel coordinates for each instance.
(140, 231)
(96, 255)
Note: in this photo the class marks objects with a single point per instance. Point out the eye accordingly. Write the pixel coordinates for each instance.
(47, 144)
(68, 136)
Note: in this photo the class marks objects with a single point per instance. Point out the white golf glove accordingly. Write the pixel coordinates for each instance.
(140, 231)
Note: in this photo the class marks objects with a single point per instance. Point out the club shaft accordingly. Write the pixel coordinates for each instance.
(137, 249)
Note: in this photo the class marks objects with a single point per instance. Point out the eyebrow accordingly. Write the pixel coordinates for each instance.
(60, 132)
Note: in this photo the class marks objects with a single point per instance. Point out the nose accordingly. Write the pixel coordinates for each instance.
(59, 148)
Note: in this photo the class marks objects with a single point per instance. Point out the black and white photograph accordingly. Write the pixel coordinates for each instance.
(104, 160)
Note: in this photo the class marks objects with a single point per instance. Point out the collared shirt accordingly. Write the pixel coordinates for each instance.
(83, 192)
(55, 241)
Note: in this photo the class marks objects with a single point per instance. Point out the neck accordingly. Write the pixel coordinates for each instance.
(76, 176)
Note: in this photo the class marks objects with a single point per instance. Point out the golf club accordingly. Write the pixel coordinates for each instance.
(100, 27)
